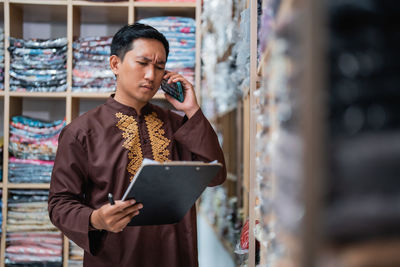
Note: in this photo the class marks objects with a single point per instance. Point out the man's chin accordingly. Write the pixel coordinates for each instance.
(147, 98)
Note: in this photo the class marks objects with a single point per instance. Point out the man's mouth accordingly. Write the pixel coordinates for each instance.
(150, 87)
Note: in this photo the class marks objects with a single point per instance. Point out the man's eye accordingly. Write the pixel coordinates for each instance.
(160, 68)
(142, 63)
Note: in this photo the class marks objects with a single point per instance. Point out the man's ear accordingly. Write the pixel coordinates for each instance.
(114, 64)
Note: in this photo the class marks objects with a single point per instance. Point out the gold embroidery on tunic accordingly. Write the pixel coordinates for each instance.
(130, 132)
(159, 142)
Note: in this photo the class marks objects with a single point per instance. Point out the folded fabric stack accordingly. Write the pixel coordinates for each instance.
(34, 139)
(38, 65)
(1, 158)
(1, 209)
(31, 237)
(92, 71)
(29, 170)
(75, 255)
(1, 59)
(181, 35)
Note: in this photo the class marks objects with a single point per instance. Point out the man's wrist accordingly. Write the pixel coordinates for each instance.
(92, 222)
(192, 111)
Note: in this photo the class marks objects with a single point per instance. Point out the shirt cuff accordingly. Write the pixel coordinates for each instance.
(184, 133)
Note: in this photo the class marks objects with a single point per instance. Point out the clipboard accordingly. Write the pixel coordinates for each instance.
(168, 190)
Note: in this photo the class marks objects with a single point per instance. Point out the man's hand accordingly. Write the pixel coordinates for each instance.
(114, 218)
(189, 105)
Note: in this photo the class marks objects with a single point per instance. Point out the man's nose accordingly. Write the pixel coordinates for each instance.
(149, 74)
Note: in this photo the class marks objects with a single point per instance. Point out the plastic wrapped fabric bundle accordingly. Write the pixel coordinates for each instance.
(1, 210)
(225, 53)
(1, 59)
(38, 65)
(180, 33)
(75, 255)
(31, 237)
(38, 43)
(1, 158)
(34, 248)
(29, 171)
(92, 71)
(34, 139)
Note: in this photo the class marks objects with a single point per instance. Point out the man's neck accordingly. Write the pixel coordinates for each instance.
(133, 103)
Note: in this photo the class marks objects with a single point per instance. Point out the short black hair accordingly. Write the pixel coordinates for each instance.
(123, 39)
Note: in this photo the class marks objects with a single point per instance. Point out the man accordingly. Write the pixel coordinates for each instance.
(100, 151)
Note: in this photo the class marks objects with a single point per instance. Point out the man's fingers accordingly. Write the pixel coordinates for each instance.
(125, 204)
(133, 208)
(125, 220)
(176, 78)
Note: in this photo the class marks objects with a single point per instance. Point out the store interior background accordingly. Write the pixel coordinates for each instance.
(303, 95)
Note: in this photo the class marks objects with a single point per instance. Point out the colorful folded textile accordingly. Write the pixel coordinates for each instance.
(29, 170)
(31, 237)
(34, 139)
(35, 248)
(1, 58)
(92, 71)
(180, 33)
(75, 255)
(38, 65)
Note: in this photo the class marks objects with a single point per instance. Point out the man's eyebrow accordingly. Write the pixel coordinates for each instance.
(149, 60)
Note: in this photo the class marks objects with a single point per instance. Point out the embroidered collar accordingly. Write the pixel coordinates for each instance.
(147, 109)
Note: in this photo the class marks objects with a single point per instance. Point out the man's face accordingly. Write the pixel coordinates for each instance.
(139, 74)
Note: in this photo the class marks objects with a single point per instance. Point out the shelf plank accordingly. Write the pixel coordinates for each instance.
(165, 4)
(158, 95)
(28, 186)
(91, 95)
(38, 94)
(40, 2)
(100, 4)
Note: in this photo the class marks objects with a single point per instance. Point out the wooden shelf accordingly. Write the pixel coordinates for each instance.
(38, 94)
(91, 95)
(28, 186)
(100, 14)
(165, 4)
(67, 18)
(111, 4)
(158, 95)
(37, 12)
(40, 2)
(264, 58)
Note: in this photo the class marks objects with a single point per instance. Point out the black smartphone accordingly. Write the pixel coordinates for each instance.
(173, 89)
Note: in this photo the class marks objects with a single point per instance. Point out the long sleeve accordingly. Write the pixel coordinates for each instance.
(198, 136)
(66, 206)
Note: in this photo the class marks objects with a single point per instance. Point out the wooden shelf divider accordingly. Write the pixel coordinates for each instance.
(75, 11)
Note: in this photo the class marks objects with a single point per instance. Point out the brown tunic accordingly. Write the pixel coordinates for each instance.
(98, 153)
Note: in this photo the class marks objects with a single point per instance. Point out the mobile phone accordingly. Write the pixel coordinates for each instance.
(173, 89)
